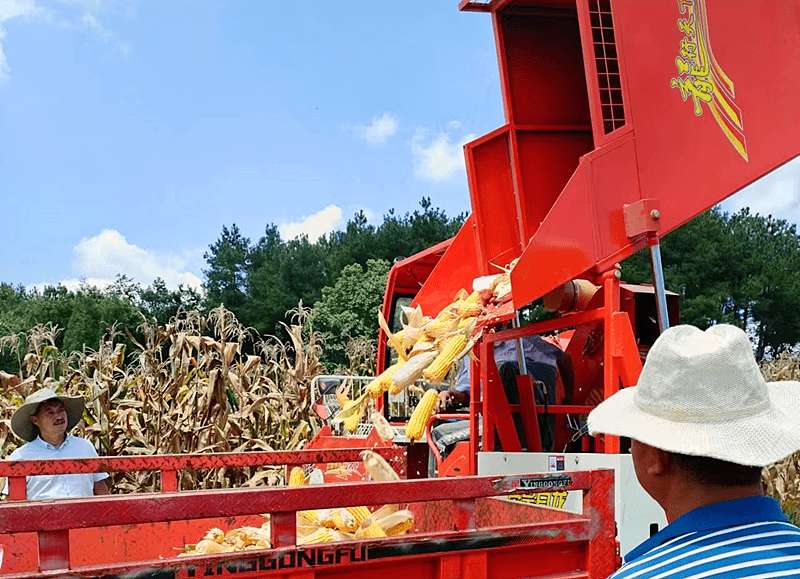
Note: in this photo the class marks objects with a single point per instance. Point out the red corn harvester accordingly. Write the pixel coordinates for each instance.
(624, 120)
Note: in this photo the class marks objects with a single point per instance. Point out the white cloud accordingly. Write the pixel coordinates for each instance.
(99, 259)
(314, 226)
(4, 68)
(439, 155)
(92, 23)
(379, 131)
(777, 194)
(77, 14)
(21, 9)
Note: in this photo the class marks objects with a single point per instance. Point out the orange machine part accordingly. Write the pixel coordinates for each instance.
(619, 106)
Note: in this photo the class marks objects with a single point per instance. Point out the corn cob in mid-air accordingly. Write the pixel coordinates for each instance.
(439, 368)
(421, 415)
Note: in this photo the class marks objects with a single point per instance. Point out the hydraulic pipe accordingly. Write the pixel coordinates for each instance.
(658, 283)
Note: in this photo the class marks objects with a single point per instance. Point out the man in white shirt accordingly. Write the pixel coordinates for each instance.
(44, 422)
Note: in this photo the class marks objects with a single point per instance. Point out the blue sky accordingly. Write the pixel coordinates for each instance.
(133, 131)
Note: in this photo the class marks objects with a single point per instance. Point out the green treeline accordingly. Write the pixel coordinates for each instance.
(742, 269)
(739, 269)
(344, 272)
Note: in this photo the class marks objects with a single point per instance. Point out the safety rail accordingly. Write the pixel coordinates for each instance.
(511, 530)
(170, 464)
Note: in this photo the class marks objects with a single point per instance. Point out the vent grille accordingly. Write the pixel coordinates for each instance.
(605, 57)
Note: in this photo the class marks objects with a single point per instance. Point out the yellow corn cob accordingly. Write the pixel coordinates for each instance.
(381, 384)
(397, 523)
(341, 397)
(411, 371)
(319, 536)
(304, 529)
(344, 520)
(207, 547)
(473, 298)
(465, 322)
(422, 413)
(460, 295)
(359, 513)
(467, 309)
(308, 516)
(443, 324)
(371, 531)
(297, 477)
(377, 467)
(439, 368)
(325, 518)
(351, 422)
(215, 535)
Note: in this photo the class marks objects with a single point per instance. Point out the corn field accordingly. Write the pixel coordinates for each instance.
(781, 480)
(185, 391)
(188, 391)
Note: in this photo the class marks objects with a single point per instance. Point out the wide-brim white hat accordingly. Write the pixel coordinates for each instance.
(701, 393)
(21, 423)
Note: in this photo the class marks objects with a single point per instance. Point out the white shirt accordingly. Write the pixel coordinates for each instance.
(58, 486)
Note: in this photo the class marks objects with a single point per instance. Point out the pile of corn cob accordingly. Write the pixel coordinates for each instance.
(320, 525)
(347, 523)
(240, 539)
(426, 348)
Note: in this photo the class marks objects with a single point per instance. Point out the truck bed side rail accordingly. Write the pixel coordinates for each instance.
(473, 534)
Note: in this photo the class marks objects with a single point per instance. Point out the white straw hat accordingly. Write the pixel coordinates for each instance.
(21, 423)
(702, 394)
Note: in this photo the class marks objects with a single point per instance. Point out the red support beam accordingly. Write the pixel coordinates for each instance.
(147, 508)
(176, 462)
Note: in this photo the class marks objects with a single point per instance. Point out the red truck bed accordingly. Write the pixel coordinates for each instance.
(463, 528)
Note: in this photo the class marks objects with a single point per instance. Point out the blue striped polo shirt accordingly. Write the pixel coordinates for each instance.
(748, 537)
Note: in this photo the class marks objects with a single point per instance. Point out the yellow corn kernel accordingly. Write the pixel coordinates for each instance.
(297, 477)
(439, 368)
(371, 531)
(359, 513)
(421, 415)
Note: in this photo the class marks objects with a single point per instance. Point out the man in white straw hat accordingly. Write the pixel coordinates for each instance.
(702, 423)
(44, 422)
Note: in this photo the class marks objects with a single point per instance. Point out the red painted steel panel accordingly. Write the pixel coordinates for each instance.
(707, 110)
(345, 452)
(546, 80)
(456, 270)
(493, 203)
(686, 159)
(549, 159)
(560, 250)
(501, 527)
